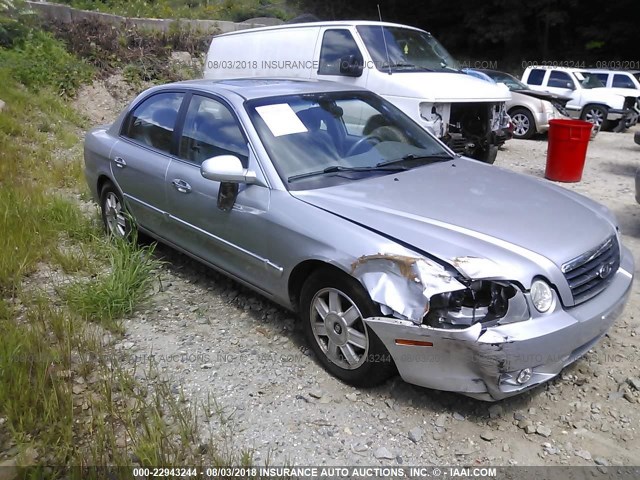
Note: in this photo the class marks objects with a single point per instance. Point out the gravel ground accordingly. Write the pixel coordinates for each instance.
(214, 339)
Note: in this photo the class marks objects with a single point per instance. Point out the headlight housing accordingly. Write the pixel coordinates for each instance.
(484, 301)
(541, 296)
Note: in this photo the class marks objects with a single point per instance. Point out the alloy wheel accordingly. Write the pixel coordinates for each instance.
(595, 116)
(115, 216)
(338, 328)
(521, 124)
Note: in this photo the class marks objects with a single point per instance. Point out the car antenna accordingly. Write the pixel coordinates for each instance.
(386, 49)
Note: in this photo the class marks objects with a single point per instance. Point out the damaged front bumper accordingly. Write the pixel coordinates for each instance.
(487, 362)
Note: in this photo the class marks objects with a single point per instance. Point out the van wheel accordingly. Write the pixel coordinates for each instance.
(333, 307)
(487, 154)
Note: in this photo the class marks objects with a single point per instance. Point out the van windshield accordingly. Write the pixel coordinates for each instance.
(320, 139)
(405, 49)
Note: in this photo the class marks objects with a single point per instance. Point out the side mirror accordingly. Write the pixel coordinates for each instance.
(350, 66)
(226, 169)
(570, 86)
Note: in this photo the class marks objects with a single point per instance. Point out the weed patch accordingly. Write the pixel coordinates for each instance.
(233, 10)
(142, 55)
(112, 295)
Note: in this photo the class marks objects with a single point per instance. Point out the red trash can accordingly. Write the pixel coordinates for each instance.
(567, 149)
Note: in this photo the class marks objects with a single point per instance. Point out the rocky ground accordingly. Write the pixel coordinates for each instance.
(231, 352)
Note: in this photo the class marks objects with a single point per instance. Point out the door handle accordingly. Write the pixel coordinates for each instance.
(181, 185)
(120, 163)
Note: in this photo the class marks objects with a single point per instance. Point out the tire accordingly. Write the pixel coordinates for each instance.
(359, 357)
(596, 114)
(524, 124)
(622, 125)
(487, 155)
(117, 221)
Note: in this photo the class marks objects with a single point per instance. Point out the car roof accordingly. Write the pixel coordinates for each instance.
(337, 23)
(251, 88)
(604, 70)
(554, 68)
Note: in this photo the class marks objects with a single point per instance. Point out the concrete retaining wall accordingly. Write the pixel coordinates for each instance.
(65, 14)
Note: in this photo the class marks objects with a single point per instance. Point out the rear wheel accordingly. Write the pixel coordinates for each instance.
(333, 307)
(117, 221)
(523, 123)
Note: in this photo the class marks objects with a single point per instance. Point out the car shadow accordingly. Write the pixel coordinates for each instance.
(238, 296)
(622, 169)
(629, 219)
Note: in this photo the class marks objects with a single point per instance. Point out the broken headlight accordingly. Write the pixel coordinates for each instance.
(482, 301)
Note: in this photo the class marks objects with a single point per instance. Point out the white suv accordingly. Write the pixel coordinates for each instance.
(590, 99)
(616, 78)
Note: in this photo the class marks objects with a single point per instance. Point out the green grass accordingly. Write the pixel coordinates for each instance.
(33, 223)
(63, 393)
(233, 10)
(36, 399)
(38, 61)
(115, 293)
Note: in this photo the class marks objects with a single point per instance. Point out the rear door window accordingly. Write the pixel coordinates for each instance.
(153, 121)
(622, 81)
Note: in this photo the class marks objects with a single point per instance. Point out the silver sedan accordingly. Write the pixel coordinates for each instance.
(398, 255)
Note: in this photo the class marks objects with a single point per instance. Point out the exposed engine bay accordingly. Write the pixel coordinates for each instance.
(475, 127)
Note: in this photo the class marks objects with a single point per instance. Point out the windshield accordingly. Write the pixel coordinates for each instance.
(316, 140)
(589, 80)
(509, 80)
(405, 50)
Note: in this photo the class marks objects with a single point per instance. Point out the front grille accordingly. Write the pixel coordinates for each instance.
(591, 272)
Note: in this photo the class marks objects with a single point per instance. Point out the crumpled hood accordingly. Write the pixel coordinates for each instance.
(465, 208)
(548, 96)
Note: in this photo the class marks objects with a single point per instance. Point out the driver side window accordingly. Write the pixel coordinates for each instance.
(337, 44)
(560, 80)
(210, 129)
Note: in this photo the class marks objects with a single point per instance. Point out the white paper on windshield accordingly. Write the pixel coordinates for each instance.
(579, 76)
(281, 119)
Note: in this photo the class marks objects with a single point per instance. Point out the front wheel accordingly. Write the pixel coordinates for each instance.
(333, 307)
(595, 114)
(487, 154)
(523, 123)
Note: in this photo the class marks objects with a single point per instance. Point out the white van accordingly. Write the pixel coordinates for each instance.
(405, 65)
